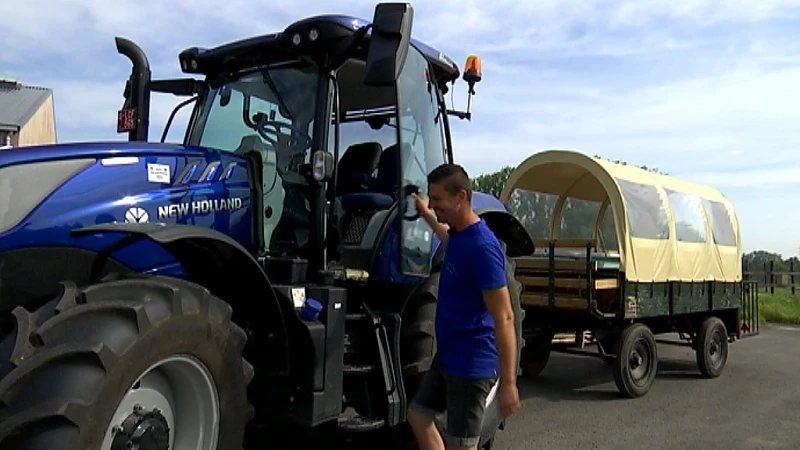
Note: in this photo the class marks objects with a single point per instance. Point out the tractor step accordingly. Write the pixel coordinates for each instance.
(358, 369)
(351, 421)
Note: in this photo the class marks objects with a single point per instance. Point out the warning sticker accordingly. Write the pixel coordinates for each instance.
(158, 173)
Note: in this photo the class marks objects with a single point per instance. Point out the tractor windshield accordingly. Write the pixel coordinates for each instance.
(270, 112)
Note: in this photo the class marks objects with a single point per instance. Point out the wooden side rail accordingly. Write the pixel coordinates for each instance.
(560, 265)
(569, 283)
(566, 243)
(561, 301)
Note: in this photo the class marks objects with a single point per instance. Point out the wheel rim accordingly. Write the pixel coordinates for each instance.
(715, 351)
(174, 404)
(640, 362)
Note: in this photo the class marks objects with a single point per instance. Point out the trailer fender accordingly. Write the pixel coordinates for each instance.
(218, 263)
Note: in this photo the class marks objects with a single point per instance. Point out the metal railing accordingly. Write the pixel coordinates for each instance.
(749, 316)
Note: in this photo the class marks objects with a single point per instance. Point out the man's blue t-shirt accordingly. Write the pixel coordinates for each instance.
(473, 263)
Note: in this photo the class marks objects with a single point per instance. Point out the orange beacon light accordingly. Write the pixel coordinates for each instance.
(472, 69)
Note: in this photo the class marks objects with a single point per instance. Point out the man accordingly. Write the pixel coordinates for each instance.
(475, 334)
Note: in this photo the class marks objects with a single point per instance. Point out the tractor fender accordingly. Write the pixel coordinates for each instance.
(221, 265)
(505, 226)
(508, 229)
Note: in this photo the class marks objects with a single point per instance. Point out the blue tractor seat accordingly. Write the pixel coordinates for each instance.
(382, 188)
(359, 201)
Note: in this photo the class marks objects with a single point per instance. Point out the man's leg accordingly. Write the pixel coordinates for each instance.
(428, 402)
(466, 405)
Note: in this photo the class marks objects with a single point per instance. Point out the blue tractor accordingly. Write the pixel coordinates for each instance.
(268, 273)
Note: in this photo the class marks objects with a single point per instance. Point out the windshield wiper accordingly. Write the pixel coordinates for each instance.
(268, 79)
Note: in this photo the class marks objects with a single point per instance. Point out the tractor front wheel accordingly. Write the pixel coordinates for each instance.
(145, 362)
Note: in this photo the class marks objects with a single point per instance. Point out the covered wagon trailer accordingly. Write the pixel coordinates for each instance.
(624, 254)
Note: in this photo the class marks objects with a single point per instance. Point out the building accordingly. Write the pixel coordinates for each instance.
(27, 115)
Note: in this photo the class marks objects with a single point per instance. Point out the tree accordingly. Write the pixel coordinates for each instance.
(492, 183)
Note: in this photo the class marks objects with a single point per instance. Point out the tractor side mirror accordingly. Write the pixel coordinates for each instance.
(388, 44)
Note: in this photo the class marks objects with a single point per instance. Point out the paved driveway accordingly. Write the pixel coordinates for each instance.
(754, 404)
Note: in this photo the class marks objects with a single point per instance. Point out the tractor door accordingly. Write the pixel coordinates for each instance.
(422, 149)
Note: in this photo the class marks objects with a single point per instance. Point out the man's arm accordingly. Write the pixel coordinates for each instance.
(498, 301)
(490, 273)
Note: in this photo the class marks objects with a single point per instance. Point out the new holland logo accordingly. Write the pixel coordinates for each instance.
(136, 215)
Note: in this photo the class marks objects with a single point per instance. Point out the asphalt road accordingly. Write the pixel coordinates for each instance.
(754, 404)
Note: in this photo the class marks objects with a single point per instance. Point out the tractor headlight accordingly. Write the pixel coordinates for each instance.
(24, 186)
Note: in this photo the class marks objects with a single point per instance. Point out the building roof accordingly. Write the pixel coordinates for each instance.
(18, 103)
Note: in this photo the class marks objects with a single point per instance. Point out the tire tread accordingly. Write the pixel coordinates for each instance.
(79, 339)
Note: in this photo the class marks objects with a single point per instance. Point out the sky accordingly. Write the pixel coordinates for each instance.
(704, 90)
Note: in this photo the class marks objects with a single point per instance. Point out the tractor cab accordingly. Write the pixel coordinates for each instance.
(340, 120)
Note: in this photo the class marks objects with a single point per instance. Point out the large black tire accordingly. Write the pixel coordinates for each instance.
(493, 421)
(418, 340)
(418, 344)
(74, 360)
(712, 347)
(636, 361)
(535, 355)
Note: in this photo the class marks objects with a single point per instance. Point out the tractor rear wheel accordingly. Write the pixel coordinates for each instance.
(142, 362)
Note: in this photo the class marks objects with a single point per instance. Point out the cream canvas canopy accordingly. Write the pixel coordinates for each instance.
(667, 229)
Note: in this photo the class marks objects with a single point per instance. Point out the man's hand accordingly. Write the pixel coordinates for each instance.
(508, 399)
(422, 207)
(422, 204)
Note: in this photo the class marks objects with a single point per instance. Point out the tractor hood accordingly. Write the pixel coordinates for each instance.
(43, 188)
(97, 150)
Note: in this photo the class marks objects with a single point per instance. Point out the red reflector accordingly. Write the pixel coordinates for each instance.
(126, 120)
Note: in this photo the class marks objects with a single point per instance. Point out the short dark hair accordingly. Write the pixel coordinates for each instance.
(453, 178)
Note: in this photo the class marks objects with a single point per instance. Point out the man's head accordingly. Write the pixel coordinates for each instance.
(449, 193)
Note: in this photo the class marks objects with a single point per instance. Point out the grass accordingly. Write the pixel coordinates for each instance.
(780, 307)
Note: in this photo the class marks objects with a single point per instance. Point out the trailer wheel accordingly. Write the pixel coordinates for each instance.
(711, 348)
(143, 362)
(636, 361)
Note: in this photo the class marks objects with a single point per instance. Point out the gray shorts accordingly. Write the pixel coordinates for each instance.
(464, 399)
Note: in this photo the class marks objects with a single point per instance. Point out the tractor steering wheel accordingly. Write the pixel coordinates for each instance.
(299, 137)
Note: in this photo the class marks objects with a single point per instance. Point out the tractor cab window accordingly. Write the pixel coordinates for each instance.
(388, 138)
(422, 149)
(269, 112)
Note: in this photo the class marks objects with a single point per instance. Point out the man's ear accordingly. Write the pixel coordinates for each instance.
(462, 196)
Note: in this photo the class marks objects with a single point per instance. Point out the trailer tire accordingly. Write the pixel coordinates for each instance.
(74, 371)
(711, 348)
(635, 349)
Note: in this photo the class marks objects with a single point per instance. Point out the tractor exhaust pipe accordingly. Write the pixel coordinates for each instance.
(134, 117)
